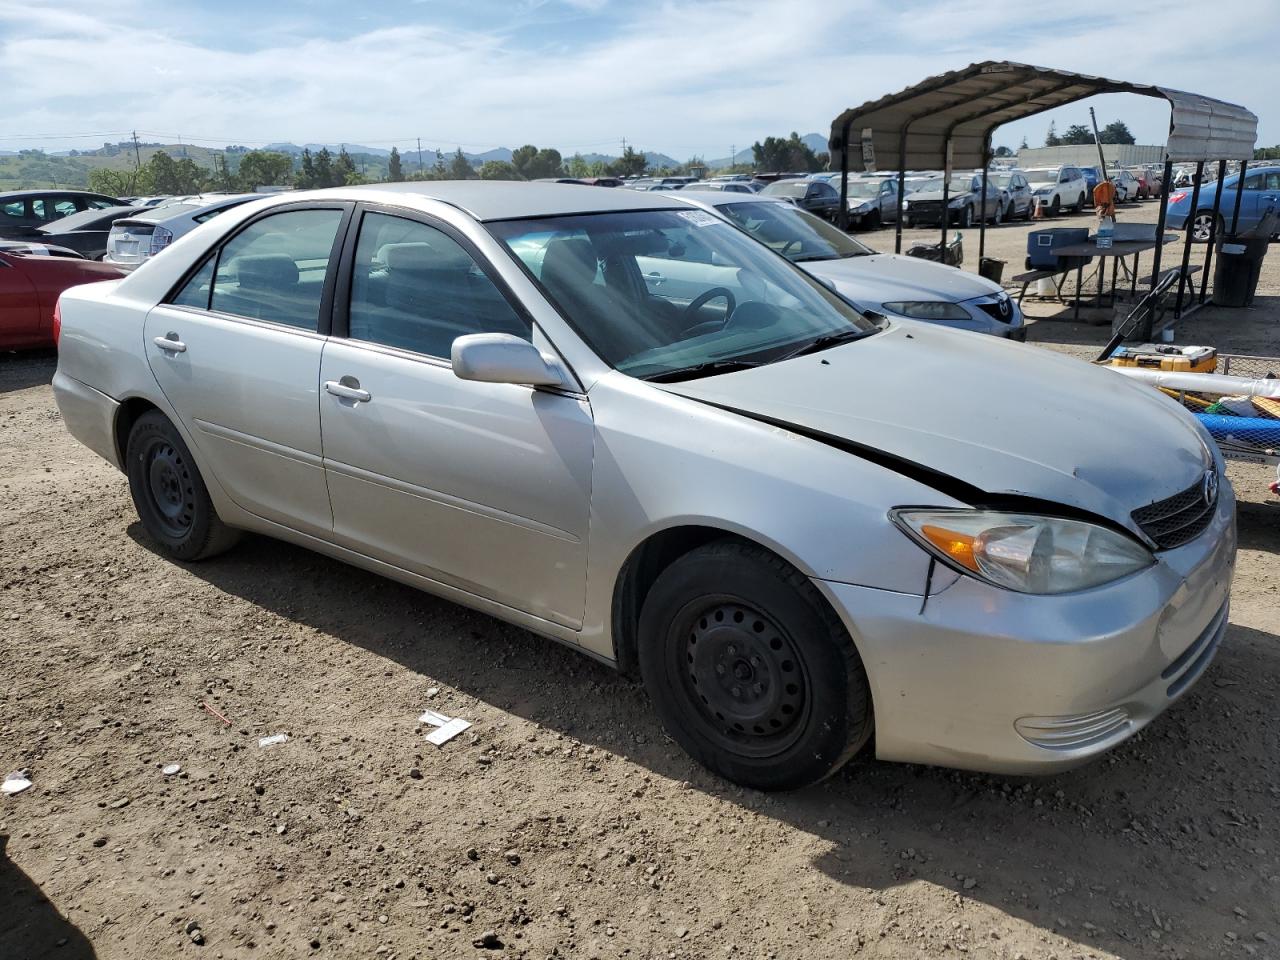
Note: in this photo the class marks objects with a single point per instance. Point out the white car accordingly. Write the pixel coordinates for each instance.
(883, 283)
(1058, 188)
(1127, 186)
(134, 241)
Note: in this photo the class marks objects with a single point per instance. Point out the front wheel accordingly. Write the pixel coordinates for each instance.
(169, 493)
(1055, 207)
(749, 669)
(966, 216)
(1010, 211)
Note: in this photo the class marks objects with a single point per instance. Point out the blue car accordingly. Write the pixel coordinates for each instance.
(1261, 193)
(1091, 177)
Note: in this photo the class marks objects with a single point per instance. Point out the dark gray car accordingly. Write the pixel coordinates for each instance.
(23, 211)
(964, 202)
(1019, 200)
(86, 232)
(816, 196)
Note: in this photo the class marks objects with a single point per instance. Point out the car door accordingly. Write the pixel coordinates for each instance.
(19, 305)
(482, 486)
(236, 350)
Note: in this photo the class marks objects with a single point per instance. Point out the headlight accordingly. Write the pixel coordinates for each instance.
(958, 201)
(1044, 191)
(856, 207)
(1024, 552)
(928, 310)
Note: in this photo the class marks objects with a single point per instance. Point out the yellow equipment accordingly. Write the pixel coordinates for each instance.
(1166, 356)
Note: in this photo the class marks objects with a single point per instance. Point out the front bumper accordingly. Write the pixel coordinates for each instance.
(991, 680)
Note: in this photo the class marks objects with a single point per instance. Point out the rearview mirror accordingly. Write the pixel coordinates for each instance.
(503, 358)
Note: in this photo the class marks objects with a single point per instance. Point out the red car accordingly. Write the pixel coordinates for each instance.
(32, 276)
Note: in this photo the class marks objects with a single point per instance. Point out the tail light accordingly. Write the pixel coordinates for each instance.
(161, 237)
(1178, 197)
(57, 321)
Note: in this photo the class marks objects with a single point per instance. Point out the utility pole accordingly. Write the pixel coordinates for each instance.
(137, 154)
(419, 154)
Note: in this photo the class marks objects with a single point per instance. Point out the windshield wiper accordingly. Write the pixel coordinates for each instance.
(810, 258)
(697, 370)
(825, 341)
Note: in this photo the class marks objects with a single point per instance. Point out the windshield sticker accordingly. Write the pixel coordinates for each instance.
(699, 218)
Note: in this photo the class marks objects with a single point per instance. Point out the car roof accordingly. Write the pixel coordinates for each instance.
(75, 221)
(57, 191)
(502, 199)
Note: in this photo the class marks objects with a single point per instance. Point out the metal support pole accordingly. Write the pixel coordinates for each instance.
(1213, 229)
(1186, 246)
(1235, 214)
(946, 185)
(844, 178)
(982, 218)
(1160, 222)
(902, 182)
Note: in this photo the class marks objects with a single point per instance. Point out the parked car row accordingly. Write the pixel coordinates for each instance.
(32, 277)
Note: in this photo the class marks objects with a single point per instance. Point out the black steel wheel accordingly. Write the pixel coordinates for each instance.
(169, 493)
(750, 670)
(1055, 207)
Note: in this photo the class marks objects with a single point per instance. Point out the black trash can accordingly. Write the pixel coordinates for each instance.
(1235, 277)
(991, 268)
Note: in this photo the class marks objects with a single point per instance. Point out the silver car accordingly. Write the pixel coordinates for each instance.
(900, 287)
(136, 239)
(796, 524)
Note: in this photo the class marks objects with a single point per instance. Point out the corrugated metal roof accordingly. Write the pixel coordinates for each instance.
(910, 130)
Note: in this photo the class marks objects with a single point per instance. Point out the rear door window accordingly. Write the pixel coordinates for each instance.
(272, 270)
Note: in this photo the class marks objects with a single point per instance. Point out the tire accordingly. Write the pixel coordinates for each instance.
(1201, 224)
(1055, 208)
(872, 221)
(999, 217)
(1079, 204)
(169, 493)
(749, 669)
(965, 218)
(1010, 212)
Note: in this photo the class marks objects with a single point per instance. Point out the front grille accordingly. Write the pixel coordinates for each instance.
(925, 206)
(1181, 518)
(1002, 311)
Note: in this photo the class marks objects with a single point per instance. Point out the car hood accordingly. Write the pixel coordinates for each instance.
(1041, 184)
(997, 416)
(936, 195)
(887, 277)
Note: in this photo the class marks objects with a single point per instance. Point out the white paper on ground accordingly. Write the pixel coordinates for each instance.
(273, 739)
(448, 731)
(434, 718)
(17, 781)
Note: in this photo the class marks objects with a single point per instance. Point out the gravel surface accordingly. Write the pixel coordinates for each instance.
(563, 823)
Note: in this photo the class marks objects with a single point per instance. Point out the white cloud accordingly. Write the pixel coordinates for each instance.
(681, 77)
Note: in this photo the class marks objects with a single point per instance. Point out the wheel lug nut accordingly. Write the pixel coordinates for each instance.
(737, 692)
(720, 669)
(758, 688)
(755, 661)
(732, 650)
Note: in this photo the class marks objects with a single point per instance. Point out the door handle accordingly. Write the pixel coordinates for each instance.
(655, 277)
(170, 343)
(347, 391)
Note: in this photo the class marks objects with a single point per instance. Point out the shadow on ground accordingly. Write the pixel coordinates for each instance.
(888, 826)
(31, 928)
(29, 369)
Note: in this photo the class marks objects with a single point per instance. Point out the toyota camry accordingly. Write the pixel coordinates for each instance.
(809, 531)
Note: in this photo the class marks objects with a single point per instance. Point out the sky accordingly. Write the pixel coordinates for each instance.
(681, 77)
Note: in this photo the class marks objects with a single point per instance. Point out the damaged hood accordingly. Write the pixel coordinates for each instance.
(998, 416)
(887, 277)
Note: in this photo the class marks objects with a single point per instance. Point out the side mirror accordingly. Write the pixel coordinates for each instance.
(502, 358)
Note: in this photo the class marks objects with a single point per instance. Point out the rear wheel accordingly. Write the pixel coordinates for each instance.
(169, 493)
(1055, 207)
(1202, 225)
(750, 670)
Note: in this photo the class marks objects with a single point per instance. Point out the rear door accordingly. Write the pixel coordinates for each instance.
(236, 350)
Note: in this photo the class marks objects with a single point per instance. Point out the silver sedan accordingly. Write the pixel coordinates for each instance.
(796, 524)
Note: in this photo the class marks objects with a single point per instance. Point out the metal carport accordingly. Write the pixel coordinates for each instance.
(946, 122)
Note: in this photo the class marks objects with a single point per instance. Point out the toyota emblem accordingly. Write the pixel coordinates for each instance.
(1209, 487)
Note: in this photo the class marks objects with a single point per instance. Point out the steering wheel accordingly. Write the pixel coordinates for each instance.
(700, 301)
(789, 244)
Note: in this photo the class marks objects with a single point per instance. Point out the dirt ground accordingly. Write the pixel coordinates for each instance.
(564, 823)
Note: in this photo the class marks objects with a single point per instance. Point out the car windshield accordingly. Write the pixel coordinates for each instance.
(786, 188)
(864, 188)
(1049, 175)
(677, 294)
(958, 185)
(796, 234)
